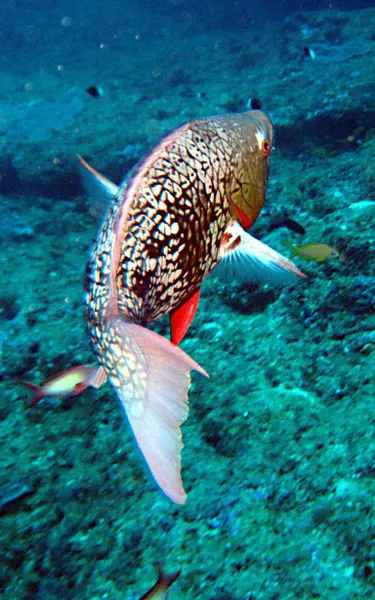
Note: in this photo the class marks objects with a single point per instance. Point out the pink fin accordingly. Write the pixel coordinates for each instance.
(152, 379)
(182, 318)
(97, 379)
(247, 260)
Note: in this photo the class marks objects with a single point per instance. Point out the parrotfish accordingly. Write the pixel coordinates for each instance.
(314, 251)
(159, 590)
(182, 211)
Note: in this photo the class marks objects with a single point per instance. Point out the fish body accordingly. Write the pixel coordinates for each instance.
(162, 235)
(318, 252)
(94, 91)
(287, 222)
(159, 590)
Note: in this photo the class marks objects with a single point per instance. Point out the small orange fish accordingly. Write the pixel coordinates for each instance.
(159, 590)
(72, 382)
(318, 252)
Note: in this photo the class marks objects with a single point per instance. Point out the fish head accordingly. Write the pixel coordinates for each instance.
(334, 253)
(252, 152)
(321, 252)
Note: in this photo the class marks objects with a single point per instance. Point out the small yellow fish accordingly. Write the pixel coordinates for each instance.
(318, 252)
(159, 590)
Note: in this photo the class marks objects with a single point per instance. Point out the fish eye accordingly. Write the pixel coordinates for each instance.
(266, 147)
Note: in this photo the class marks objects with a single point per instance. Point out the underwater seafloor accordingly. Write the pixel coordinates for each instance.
(280, 443)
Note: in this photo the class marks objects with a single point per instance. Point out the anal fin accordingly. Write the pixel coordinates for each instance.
(182, 318)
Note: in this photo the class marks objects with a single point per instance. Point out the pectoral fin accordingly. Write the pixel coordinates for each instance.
(98, 378)
(247, 260)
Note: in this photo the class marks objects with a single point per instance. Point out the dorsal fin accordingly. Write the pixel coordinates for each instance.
(100, 190)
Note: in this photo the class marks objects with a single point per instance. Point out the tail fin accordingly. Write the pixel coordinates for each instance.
(36, 392)
(152, 378)
(292, 248)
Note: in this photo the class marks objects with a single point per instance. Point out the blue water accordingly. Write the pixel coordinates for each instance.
(279, 442)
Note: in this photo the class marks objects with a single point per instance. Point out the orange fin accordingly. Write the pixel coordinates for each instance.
(152, 378)
(242, 217)
(166, 579)
(182, 318)
(160, 588)
(78, 389)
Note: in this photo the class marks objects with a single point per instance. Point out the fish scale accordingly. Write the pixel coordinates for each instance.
(172, 217)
